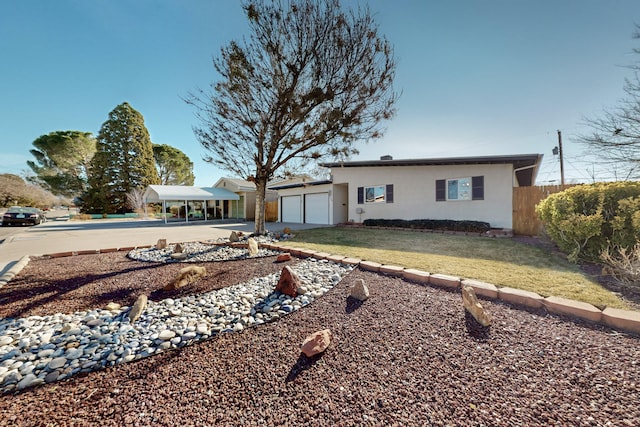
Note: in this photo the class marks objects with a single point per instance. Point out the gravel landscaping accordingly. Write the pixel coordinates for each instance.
(408, 355)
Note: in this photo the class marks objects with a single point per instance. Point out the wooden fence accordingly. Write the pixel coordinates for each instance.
(525, 199)
(271, 211)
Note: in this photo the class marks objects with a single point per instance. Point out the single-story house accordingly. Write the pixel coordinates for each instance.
(246, 190)
(190, 201)
(458, 188)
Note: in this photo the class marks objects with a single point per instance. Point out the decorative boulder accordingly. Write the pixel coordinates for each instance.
(252, 245)
(186, 276)
(179, 256)
(138, 308)
(359, 290)
(316, 343)
(289, 282)
(234, 237)
(162, 244)
(471, 304)
(178, 249)
(112, 306)
(284, 257)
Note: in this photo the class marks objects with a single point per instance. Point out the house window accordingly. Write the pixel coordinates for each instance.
(470, 188)
(375, 194)
(459, 189)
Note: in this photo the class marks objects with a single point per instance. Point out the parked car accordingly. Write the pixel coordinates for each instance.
(21, 215)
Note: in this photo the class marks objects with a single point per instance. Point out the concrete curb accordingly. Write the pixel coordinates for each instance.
(482, 289)
(14, 270)
(520, 297)
(625, 320)
(370, 266)
(444, 280)
(391, 270)
(581, 310)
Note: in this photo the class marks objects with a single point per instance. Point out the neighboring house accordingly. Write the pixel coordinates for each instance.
(246, 190)
(462, 188)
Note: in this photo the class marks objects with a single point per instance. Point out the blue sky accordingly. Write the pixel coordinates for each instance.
(477, 77)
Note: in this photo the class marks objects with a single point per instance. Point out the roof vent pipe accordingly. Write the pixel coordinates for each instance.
(387, 157)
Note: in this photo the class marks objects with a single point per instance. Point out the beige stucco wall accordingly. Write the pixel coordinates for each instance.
(415, 198)
(249, 205)
(249, 202)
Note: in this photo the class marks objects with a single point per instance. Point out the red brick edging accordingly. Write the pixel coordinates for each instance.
(625, 320)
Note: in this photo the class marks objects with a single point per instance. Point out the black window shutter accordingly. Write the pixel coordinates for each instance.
(441, 190)
(389, 197)
(477, 188)
(360, 195)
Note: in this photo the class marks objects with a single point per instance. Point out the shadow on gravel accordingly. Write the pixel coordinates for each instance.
(352, 304)
(46, 291)
(7, 267)
(475, 329)
(302, 364)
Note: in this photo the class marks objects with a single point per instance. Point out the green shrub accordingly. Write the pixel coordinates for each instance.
(431, 224)
(587, 219)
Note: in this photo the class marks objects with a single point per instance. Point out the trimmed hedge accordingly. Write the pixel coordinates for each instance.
(431, 224)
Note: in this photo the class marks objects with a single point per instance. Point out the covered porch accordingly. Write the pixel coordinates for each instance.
(192, 203)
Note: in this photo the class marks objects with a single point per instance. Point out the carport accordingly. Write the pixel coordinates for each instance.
(185, 193)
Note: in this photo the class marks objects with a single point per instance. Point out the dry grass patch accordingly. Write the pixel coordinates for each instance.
(503, 262)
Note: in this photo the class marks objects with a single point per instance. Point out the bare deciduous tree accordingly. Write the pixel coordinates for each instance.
(615, 137)
(135, 200)
(310, 82)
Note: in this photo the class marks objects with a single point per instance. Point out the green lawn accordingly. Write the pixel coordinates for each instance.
(500, 261)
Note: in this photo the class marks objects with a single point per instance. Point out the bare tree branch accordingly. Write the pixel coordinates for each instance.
(615, 136)
(310, 82)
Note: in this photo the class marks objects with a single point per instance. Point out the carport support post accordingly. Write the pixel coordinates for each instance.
(144, 202)
(186, 211)
(204, 203)
(164, 210)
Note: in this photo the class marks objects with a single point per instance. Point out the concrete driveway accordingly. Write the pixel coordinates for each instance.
(64, 236)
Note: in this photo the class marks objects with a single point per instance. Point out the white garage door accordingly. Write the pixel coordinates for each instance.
(291, 209)
(316, 208)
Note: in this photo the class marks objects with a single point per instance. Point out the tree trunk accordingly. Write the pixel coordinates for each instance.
(261, 194)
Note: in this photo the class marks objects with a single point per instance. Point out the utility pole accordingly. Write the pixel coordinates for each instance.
(561, 159)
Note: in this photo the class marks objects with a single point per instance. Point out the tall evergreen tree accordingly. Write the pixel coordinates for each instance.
(123, 161)
(174, 166)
